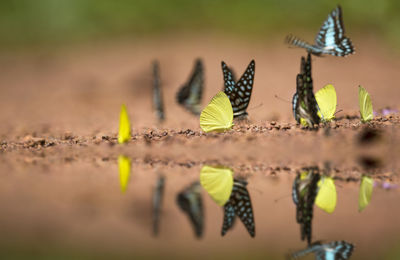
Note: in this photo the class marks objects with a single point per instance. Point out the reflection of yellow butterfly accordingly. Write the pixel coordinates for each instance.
(327, 100)
(366, 187)
(124, 165)
(366, 111)
(124, 133)
(218, 114)
(218, 182)
(326, 197)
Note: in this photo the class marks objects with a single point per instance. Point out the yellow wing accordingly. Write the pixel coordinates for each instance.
(218, 182)
(124, 165)
(124, 134)
(364, 197)
(326, 197)
(327, 101)
(217, 115)
(364, 99)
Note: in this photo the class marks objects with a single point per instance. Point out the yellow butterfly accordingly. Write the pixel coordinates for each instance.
(364, 197)
(326, 197)
(327, 101)
(124, 134)
(218, 182)
(217, 115)
(124, 165)
(364, 99)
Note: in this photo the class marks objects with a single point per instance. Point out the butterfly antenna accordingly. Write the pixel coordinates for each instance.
(256, 107)
(340, 110)
(283, 197)
(282, 99)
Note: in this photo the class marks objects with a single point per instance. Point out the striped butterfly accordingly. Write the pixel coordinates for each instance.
(239, 204)
(158, 103)
(330, 38)
(335, 250)
(190, 202)
(190, 94)
(239, 93)
(304, 191)
(158, 194)
(304, 105)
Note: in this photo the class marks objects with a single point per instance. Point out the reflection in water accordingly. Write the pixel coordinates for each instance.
(304, 192)
(190, 201)
(158, 194)
(336, 250)
(124, 165)
(366, 187)
(218, 182)
(326, 196)
(239, 204)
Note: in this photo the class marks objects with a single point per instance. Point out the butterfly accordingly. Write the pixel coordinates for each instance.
(158, 103)
(330, 38)
(190, 202)
(366, 187)
(326, 197)
(239, 93)
(304, 191)
(239, 204)
(327, 101)
(364, 99)
(218, 182)
(190, 94)
(124, 165)
(158, 194)
(336, 250)
(217, 115)
(304, 105)
(124, 133)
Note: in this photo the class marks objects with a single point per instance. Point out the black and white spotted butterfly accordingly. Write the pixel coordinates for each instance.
(239, 204)
(190, 202)
(158, 194)
(330, 38)
(304, 104)
(190, 94)
(158, 103)
(304, 191)
(336, 250)
(239, 93)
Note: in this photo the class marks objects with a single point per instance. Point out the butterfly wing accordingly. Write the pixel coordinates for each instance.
(124, 133)
(229, 218)
(124, 165)
(366, 110)
(240, 93)
(327, 101)
(338, 250)
(158, 103)
(217, 115)
(326, 197)
(158, 194)
(364, 197)
(241, 202)
(190, 94)
(191, 203)
(218, 182)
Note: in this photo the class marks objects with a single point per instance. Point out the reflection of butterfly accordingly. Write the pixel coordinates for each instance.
(304, 105)
(124, 133)
(189, 95)
(218, 182)
(239, 93)
(326, 197)
(366, 187)
(327, 101)
(364, 99)
(217, 115)
(239, 204)
(336, 250)
(330, 38)
(124, 166)
(158, 103)
(158, 194)
(304, 192)
(190, 201)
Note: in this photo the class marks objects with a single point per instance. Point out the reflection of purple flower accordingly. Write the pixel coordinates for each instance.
(389, 186)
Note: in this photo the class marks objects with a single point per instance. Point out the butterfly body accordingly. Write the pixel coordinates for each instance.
(330, 39)
(239, 204)
(336, 250)
(158, 102)
(190, 94)
(239, 92)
